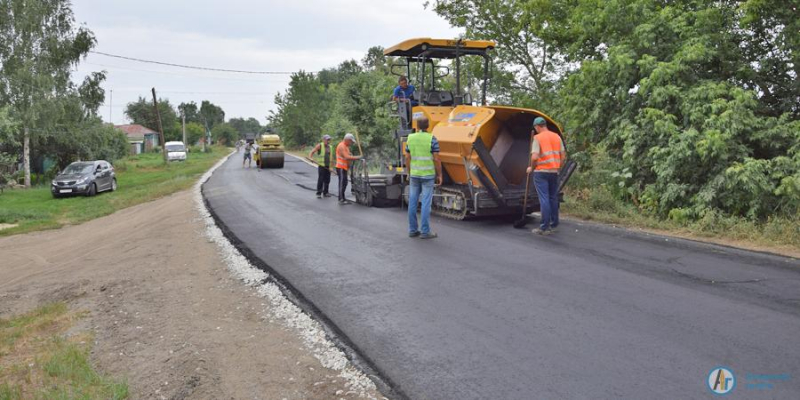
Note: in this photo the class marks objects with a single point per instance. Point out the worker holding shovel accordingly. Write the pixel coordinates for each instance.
(547, 156)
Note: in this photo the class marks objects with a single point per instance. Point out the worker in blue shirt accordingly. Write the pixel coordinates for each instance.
(403, 92)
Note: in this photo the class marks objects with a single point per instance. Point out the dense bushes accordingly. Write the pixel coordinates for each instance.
(690, 109)
(88, 141)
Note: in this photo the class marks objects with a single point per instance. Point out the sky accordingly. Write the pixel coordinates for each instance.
(244, 35)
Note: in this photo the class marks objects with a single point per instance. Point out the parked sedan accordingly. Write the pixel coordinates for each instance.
(86, 178)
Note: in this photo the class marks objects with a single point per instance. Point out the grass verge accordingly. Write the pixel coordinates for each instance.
(777, 235)
(141, 178)
(38, 362)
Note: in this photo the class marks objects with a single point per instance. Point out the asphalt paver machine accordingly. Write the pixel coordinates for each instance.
(484, 149)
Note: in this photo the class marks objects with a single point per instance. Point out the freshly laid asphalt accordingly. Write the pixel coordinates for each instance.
(486, 311)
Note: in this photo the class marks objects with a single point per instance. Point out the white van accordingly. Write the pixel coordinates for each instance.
(176, 151)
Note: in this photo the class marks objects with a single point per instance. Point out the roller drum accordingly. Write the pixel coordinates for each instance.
(272, 159)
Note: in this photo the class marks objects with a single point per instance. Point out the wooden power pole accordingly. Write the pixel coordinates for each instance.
(160, 128)
(183, 127)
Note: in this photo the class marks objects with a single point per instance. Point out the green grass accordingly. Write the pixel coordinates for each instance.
(599, 204)
(141, 178)
(38, 362)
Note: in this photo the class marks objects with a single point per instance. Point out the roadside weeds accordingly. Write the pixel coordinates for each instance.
(40, 359)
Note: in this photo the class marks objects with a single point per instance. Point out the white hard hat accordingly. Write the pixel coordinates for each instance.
(350, 136)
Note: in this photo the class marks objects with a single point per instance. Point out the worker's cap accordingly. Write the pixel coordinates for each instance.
(350, 136)
(539, 121)
(326, 137)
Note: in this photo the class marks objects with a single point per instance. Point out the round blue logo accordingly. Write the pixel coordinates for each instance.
(721, 380)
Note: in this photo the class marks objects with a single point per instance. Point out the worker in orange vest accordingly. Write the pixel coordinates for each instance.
(343, 159)
(547, 156)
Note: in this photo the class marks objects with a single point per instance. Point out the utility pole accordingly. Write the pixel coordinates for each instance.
(160, 129)
(207, 135)
(183, 127)
(110, 104)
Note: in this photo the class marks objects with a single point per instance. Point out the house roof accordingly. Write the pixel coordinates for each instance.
(136, 131)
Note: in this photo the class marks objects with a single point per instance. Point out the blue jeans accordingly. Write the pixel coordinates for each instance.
(547, 189)
(425, 186)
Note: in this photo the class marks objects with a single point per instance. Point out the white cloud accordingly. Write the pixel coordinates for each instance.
(237, 34)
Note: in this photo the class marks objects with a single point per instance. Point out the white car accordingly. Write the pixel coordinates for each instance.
(176, 151)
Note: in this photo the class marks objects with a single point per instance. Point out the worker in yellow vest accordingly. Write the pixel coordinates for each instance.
(323, 165)
(422, 158)
(547, 156)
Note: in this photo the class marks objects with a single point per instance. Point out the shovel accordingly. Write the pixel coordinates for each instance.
(519, 224)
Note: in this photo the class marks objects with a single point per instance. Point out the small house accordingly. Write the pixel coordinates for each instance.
(141, 139)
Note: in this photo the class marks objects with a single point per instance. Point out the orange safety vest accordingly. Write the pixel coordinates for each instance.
(341, 152)
(551, 154)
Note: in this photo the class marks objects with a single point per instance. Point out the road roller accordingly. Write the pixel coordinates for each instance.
(270, 151)
(484, 149)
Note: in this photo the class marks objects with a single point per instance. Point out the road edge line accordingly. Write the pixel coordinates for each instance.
(333, 348)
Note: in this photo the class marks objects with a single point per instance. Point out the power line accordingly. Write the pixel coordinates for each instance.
(185, 75)
(192, 66)
(262, 93)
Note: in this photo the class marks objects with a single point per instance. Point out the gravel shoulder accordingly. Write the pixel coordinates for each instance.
(166, 313)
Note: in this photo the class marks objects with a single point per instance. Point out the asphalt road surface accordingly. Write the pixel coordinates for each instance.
(489, 312)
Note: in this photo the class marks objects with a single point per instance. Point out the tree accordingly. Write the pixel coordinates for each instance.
(528, 37)
(375, 60)
(336, 76)
(194, 132)
(190, 111)
(39, 45)
(8, 130)
(8, 139)
(89, 139)
(224, 134)
(301, 110)
(210, 114)
(362, 101)
(141, 112)
(91, 94)
(250, 125)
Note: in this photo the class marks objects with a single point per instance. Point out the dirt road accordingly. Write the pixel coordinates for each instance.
(166, 313)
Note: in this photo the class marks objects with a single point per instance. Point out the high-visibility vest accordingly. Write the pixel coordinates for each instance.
(419, 145)
(551, 154)
(341, 162)
(324, 153)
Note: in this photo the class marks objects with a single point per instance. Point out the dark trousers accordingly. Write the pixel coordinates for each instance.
(323, 179)
(547, 189)
(342, 182)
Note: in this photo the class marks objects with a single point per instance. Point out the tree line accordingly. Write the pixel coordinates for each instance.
(683, 108)
(43, 113)
(351, 97)
(207, 118)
